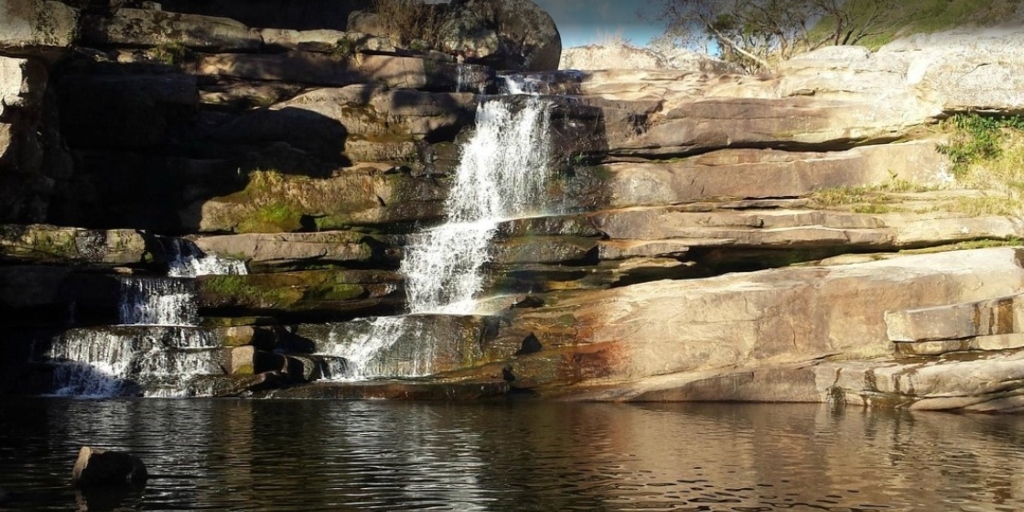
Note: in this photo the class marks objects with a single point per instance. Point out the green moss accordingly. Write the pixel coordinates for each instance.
(334, 292)
(245, 369)
(343, 48)
(272, 217)
(172, 54)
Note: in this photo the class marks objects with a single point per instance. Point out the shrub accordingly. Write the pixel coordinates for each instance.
(408, 20)
(987, 153)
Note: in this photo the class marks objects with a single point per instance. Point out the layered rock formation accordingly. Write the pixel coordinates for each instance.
(710, 236)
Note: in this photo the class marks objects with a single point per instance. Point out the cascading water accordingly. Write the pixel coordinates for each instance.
(502, 174)
(157, 348)
(113, 361)
(157, 301)
(186, 260)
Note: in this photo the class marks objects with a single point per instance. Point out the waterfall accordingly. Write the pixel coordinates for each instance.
(157, 348)
(157, 301)
(186, 260)
(502, 174)
(128, 360)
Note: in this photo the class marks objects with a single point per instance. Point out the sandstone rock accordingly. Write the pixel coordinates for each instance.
(244, 95)
(995, 342)
(286, 249)
(979, 383)
(744, 173)
(961, 69)
(326, 41)
(145, 27)
(543, 249)
(1003, 315)
(313, 294)
(322, 69)
(792, 123)
(97, 467)
(633, 334)
(528, 36)
(24, 187)
(292, 203)
(43, 28)
(629, 230)
(41, 243)
(240, 360)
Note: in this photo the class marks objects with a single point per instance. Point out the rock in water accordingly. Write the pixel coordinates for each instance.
(98, 467)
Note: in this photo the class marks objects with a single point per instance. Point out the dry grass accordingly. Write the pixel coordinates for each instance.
(407, 21)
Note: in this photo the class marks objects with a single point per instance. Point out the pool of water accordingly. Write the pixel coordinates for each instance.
(251, 455)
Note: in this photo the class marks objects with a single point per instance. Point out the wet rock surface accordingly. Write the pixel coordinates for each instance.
(704, 235)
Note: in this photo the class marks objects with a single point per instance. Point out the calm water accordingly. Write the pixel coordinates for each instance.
(321, 455)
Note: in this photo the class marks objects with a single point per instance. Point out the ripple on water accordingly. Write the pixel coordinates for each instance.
(326, 455)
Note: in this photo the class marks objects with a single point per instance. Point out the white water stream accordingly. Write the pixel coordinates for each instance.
(502, 174)
(156, 349)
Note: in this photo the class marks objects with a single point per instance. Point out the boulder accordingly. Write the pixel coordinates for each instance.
(37, 28)
(97, 467)
(527, 37)
(146, 27)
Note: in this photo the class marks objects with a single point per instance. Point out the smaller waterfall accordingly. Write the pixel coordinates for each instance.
(156, 350)
(187, 260)
(128, 360)
(158, 301)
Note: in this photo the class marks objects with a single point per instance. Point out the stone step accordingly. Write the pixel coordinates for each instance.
(995, 342)
(1004, 315)
(980, 382)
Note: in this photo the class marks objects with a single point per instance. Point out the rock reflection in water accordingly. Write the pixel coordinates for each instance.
(322, 455)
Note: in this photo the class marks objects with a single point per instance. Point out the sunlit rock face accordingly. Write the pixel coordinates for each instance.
(287, 200)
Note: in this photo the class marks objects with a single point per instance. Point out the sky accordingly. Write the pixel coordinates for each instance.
(582, 22)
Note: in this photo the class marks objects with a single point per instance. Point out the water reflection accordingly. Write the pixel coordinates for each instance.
(321, 455)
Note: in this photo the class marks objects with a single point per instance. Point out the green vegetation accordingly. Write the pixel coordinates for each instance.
(289, 290)
(344, 48)
(172, 54)
(271, 218)
(987, 153)
(925, 17)
(977, 139)
(757, 34)
(869, 199)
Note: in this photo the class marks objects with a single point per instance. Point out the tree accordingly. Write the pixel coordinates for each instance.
(756, 33)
